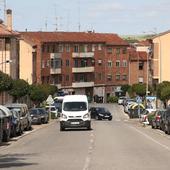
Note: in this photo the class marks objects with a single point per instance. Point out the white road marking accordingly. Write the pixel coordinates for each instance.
(150, 138)
(90, 150)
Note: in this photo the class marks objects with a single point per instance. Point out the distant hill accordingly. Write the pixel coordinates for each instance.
(136, 38)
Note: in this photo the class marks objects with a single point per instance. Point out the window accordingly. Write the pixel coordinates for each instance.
(124, 77)
(60, 48)
(140, 79)
(43, 64)
(124, 51)
(141, 64)
(99, 46)
(117, 51)
(109, 77)
(83, 63)
(82, 48)
(100, 62)
(76, 48)
(48, 63)
(55, 63)
(67, 63)
(117, 76)
(124, 63)
(109, 63)
(67, 48)
(93, 47)
(117, 63)
(109, 50)
(76, 63)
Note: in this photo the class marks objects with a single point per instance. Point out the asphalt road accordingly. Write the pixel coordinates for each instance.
(120, 144)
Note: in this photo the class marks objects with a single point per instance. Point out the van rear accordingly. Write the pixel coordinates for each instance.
(75, 112)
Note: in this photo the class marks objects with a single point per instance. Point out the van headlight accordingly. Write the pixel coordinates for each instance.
(63, 116)
(86, 116)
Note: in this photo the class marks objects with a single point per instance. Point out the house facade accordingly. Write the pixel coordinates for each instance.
(77, 62)
(161, 59)
(9, 52)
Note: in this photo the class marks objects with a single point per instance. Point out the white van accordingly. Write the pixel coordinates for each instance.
(75, 112)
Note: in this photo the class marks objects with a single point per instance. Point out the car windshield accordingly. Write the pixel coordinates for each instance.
(42, 111)
(75, 106)
(101, 109)
(34, 112)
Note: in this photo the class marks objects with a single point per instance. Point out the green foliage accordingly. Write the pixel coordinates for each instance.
(139, 89)
(5, 82)
(125, 88)
(112, 99)
(160, 87)
(39, 93)
(165, 93)
(19, 89)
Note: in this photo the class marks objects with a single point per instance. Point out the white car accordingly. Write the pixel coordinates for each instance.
(121, 99)
(53, 110)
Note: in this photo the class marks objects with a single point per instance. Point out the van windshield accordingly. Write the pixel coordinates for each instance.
(75, 106)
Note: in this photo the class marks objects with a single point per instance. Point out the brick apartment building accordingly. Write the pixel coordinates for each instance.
(140, 63)
(80, 62)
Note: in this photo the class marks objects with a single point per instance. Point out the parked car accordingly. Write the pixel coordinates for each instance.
(53, 111)
(5, 123)
(44, 115)
(162, 121)
(25, 117)
(16, 128)
(35, 116)
(155, 123)
(121, 99)
(128, 104)
(100, 113)
(167, 121)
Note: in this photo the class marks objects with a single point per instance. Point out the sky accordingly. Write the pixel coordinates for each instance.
(124, 17)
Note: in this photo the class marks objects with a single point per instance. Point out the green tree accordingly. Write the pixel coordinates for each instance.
(19, 89)
(5, 82)
(125, 88)
(162, 91)
(39, 93)
(139, 89)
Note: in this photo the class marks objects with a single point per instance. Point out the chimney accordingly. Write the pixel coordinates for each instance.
(9, 19)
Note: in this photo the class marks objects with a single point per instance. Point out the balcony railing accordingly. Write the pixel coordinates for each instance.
(83, 55)
(55, 71)
(82, 69)
(82, 84)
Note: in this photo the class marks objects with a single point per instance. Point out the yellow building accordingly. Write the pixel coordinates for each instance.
(161, 58)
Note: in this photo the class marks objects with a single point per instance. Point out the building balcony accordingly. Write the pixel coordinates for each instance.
(55, 71)
(83, 55)
(82, 84)
(82, 69)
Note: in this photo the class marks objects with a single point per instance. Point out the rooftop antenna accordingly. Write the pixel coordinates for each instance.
(46, 25)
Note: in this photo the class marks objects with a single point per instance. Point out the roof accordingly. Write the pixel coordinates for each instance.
(88, 37)
(5, 32)
(73, 98)
(137, 55)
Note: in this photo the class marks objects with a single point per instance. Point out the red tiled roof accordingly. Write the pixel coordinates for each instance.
(137, 55)
(89, 37)
(5, 32)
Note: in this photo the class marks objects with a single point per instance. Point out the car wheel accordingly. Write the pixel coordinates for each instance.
(110, 119)
(168, 130)
(6, 136)
(89, 126)
(97, 117)
(62, 128)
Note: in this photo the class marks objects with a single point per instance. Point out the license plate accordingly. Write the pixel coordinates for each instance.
(75, 123)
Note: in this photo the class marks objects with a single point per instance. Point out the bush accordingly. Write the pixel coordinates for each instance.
(113, 99)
